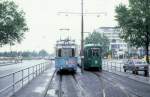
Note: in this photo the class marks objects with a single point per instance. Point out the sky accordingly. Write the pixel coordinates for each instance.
(45, 21)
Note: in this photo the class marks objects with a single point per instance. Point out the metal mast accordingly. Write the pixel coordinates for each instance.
(82, 41)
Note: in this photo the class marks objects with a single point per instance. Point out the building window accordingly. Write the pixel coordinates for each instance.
(114, 46)
(113, 41)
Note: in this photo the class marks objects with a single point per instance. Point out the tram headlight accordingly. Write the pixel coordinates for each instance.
(67, 62)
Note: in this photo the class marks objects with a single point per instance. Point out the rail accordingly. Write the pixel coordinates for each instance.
(20, 78)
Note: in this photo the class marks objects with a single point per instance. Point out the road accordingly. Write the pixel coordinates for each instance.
(8, 80)
(96, 84)
(16, 67)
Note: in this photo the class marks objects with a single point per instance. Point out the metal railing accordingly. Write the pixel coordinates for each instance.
(20, 78)
(113, 66)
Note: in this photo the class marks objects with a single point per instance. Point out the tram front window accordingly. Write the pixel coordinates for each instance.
(89, 53)
(73, 53)
(59, 52)
(95, 52)
(68, 52)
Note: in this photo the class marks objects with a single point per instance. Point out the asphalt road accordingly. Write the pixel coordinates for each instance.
(96, 84)
(5, 82)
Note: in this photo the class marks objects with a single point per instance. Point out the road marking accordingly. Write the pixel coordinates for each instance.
(51, 92)
(39, 89)
(104, 95)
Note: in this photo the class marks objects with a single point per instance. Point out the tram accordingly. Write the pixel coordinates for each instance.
(66, 55)
(92, 56)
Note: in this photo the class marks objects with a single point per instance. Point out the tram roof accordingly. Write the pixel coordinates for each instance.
(65, 46)
(66, 43)
(92, 45)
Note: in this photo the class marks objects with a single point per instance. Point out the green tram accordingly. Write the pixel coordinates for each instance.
(92, 56)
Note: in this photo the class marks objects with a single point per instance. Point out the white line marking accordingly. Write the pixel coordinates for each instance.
(104, 95)
(39, 89)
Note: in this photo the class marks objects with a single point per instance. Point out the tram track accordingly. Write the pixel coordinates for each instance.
(81, 90)
(83, 93)
(127, 92)
(60, 86)
(103, 85)
(59, 90)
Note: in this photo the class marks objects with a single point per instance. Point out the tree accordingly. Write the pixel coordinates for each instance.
(12, 23)
(97, 38)
(43, 53)
(134, 20)
(26, 54)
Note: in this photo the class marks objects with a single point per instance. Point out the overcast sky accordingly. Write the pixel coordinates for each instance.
(44, 21)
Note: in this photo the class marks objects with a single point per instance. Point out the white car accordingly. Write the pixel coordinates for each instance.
(136, 65)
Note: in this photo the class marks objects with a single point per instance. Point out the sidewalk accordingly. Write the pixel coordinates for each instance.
(139, 78)
(37, 86)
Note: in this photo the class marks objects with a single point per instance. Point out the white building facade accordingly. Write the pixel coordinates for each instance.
(117, 45)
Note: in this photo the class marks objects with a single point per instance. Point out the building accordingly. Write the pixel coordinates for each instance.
(117, 45)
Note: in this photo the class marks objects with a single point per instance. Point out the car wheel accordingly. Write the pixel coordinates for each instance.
(133, 72)
(99, 69)
(125, 70)
(146, 73)
(73, 71)
(137, 72)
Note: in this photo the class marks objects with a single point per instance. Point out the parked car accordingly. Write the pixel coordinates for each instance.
(136, 65)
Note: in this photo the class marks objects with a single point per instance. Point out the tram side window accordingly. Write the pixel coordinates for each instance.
(59, 52)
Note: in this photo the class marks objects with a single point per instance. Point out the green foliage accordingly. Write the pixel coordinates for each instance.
(134, 20)
(28, 54)
(12, 23)
(97, 38)
(43, 53)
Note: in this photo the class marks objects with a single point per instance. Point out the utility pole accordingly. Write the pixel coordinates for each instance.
(147, 31)
(82, 42)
